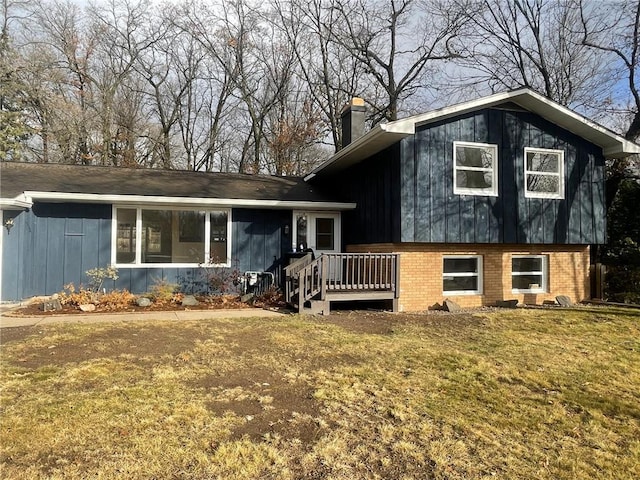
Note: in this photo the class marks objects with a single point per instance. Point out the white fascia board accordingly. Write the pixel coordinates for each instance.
(378, 138)
(184, 201)
(9, 203)
(383, 135)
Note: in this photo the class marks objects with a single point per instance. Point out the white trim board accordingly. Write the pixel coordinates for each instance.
(32, 196)
(384, 135)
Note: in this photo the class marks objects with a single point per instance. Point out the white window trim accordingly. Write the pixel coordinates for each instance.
(543, 288)
(485, 192)
(138, 261)
(560, 174)
(310, 233)
(466, 274)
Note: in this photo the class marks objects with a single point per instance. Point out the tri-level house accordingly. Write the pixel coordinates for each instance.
(493, 199)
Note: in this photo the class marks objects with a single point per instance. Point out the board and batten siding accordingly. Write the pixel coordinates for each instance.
(54, 244)
(374, 185)
(432, 213)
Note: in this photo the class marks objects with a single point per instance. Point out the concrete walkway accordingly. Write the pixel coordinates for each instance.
(7, 320)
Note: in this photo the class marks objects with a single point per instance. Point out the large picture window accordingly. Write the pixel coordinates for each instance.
(543, 173)
(529, 273)
(462, 275)
(148, 236)
(475, 169)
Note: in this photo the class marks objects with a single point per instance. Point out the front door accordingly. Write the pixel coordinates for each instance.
(317, 230)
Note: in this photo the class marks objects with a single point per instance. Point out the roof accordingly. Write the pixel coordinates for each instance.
(23, 183)
(385, 135)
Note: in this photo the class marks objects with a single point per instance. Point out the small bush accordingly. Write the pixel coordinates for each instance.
(113, 300)
(97, 276)
(164, 292)
(221, 279)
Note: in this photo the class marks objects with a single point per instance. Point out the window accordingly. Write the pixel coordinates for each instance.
(475, 169)
(148, 237)
(543, 173)
(529, 273)
(324, 234)
(462, 275)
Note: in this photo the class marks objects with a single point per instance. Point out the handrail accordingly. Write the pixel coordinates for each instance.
(291, 276)
(342, 273)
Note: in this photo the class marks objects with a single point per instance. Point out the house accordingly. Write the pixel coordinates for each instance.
(497, 198)
(152, 225)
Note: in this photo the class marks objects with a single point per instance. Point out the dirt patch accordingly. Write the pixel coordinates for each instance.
(386, 323)
(15, 334)
(139, 345)
(269, 405)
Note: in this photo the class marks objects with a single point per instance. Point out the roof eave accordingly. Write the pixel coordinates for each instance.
(382, 136)
(183, 201)
(375, 140)
(18, 202)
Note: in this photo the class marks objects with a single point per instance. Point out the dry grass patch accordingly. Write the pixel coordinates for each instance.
(549, 394)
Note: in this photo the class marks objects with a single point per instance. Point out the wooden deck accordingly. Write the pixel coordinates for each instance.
(311, 285)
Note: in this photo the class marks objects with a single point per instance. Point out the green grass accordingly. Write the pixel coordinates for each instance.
(545, 394)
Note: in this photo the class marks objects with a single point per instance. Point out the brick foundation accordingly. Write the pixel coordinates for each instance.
(421, 272)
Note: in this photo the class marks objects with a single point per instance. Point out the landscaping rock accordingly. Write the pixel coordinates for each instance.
(189, 300)
(247, 297)
(87, 307)
(507, 303)
(451, 306)
(144, 302)
(564, 301)
(51, 305)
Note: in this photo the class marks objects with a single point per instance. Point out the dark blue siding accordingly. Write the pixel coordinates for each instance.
(441, 216)
(375, 187)
(51, 245)
(55, 244)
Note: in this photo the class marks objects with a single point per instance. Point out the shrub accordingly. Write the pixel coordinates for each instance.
(97, 276)
(163, 291)
(113, 300)
(221, 279)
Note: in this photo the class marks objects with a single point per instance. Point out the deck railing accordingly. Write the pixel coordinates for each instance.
(343, 273)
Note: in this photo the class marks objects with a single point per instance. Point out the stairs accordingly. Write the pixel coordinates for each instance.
(311, 285)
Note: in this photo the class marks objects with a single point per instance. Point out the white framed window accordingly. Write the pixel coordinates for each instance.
(475, 169)
(462, 274)
(160, 237)
(543, 173)
(529, 273)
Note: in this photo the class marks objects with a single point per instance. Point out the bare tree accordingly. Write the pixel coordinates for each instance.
(616, 33)
(528, 43)
(399, 42)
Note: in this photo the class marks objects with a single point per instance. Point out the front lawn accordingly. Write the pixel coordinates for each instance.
(512, 394)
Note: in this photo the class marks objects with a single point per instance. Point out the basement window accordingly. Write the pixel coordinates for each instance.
(543, 173)
(529, 273)
(462, 275)
(475, 169)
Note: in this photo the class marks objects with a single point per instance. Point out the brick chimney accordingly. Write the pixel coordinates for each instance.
(353, 116)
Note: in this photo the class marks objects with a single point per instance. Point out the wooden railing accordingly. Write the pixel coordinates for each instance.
(341, 273)
(292, 274)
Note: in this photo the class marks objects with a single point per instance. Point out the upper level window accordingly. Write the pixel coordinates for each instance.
(462, 274)
(543, 173)
(475, 168)
(152, 236)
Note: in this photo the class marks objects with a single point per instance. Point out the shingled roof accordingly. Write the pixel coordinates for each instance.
(95, 182)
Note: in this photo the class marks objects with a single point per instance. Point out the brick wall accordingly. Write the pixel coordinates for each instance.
(421, 272)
